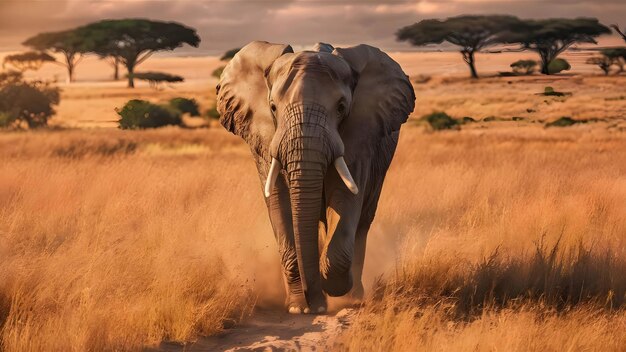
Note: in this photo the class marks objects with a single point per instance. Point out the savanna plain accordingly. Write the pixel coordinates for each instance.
(501, 235)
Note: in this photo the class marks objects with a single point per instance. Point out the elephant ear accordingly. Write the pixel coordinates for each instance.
(382, 100)
(242, 95)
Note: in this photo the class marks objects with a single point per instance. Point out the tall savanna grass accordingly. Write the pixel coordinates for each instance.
(508, 237)
(517, 242)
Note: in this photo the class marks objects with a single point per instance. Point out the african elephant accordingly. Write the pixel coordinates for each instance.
(322, 126)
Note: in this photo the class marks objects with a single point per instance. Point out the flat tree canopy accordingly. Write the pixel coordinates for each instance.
(471, 33)
(156, 78)
(550, 37)
(70, 43)
(30, 60)
(133, 41)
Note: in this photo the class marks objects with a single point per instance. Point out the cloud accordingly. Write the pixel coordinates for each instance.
(223, 24)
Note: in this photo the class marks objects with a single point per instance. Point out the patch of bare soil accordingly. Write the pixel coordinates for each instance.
(275, 330)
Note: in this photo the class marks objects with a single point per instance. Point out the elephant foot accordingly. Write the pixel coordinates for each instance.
(317, 303)
(296, 303)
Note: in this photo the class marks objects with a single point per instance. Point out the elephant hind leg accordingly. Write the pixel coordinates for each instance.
(358, 292)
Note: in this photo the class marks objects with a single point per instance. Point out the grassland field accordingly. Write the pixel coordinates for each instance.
(502, 235)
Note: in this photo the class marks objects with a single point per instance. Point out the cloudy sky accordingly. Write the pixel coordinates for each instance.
(224, 24)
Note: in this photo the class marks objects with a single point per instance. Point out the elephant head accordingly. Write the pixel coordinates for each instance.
(309, 113)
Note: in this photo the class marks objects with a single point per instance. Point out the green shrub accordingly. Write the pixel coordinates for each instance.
(5, 119)
(524, 66)
(212, 113)
(564, 121)
(30, 102)
(440, 121)
(217, 73)
(186, 106)
(139, 114)
(558, 65)
(550, 92)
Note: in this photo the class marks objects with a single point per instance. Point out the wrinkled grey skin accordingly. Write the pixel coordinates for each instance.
(306, 109)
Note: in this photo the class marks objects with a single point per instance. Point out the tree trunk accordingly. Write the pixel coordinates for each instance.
(70, 72)
(546, 59)
(468, 57)
(116, 69)
(131, 79)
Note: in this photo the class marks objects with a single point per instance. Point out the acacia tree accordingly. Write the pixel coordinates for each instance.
(133, 41)
(550, 37)
(617, 57)
(471, 33)
(69, 43)
(30, 60)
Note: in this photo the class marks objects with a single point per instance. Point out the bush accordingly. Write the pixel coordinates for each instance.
(212, 113)
(217, 73)
(550, 92)
(155, 79)
(558, 65)
(440, 121)
(185, 106)
(30, 102)
(564, 121)
(139, 114)
(524, 66)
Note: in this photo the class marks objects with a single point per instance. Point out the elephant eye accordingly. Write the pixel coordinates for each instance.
(273, 107)
(341, 108)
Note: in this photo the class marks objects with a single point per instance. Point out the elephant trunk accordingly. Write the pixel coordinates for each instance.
(306, 186)
(305, 151)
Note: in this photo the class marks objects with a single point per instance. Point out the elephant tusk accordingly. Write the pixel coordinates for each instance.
(271, 176)
(344, 173)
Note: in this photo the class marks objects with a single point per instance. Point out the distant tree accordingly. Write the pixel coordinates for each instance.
(618, 31)
(229, 54)
(69, 43)
(30, 60)
(603, 62)
(550, 37)
(526, 67)
(133, 41)
(471, 33)
(617, 57)
(155, 79)
(10, 77)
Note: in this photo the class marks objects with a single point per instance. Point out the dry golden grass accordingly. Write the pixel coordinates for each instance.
(517, 192)
(116, 240)
(115, 248)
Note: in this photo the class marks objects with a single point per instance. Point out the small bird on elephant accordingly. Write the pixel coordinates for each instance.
(322, 126)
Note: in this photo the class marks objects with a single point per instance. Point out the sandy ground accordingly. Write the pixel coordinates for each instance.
(272, 330)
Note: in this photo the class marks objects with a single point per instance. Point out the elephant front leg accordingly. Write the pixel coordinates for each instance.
(279, 208)
(343, 214)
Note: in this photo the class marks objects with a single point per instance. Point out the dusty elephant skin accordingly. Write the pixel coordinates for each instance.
(322, 126)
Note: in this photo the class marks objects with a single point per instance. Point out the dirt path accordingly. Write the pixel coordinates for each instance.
(272, 330)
